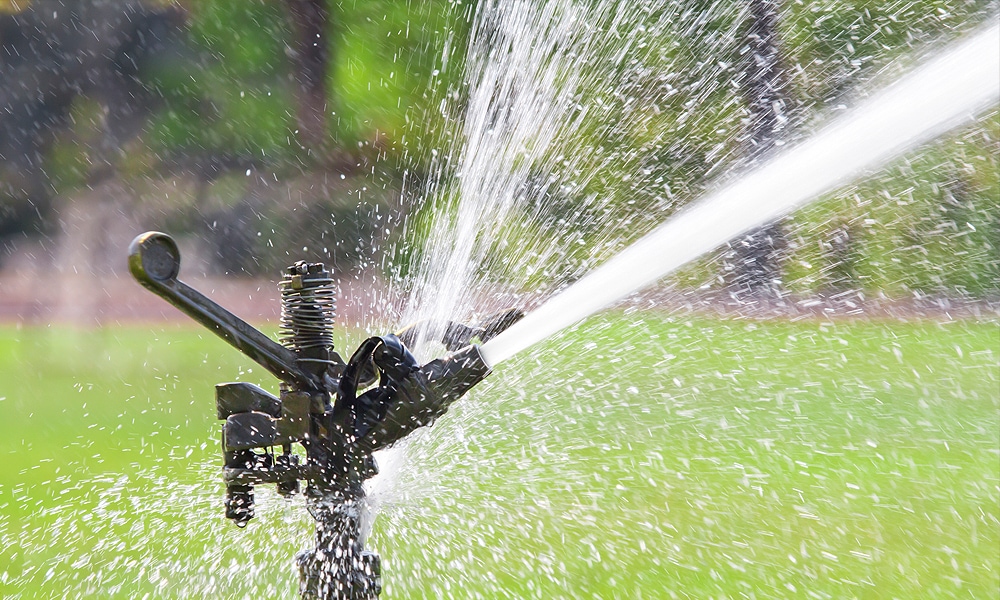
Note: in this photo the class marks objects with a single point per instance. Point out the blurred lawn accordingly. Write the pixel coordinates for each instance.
(641, 456)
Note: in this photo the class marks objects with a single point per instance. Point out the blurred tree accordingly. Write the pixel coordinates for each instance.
(209, 91)
(50, 55)
(927, 226)
(834, 48)
(247, 100)
(310, 54)
(756, 257)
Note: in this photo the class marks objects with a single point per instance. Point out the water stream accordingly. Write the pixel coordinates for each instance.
(948, 91)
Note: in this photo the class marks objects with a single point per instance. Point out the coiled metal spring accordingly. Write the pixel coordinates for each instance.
(308, 307)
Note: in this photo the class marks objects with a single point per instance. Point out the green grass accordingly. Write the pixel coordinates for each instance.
(641, 456)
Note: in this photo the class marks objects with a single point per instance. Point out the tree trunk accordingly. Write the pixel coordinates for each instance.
(755, 259)
(311, 60)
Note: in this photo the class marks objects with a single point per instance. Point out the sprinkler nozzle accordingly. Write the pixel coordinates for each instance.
(427, 393)
(408, 396)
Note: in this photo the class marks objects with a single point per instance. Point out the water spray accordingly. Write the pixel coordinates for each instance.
(339, 412)
(940, 95)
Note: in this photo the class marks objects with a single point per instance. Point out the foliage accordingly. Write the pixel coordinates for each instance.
(929, 225)
(654, 126)
(834, 46)
(233, 93)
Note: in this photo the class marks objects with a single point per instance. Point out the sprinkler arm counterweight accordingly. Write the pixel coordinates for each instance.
(154, 260)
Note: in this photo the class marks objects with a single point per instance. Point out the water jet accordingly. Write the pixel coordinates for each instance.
(946, 92)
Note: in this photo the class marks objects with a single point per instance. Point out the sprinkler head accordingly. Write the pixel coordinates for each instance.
(456, 336)
(338, 438)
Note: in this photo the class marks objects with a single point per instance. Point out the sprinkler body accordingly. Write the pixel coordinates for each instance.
(319, 408)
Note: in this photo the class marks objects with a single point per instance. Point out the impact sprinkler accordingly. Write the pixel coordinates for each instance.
(339, 412)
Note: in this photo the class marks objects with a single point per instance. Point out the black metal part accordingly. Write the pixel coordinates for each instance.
(252, 428)
(239, 397)
(338, 437)
(155, 260)
(308, 307)
(456, 336)
(339, 567)
(245, 431)
(408, 396)
(287, 463)
(239, 503)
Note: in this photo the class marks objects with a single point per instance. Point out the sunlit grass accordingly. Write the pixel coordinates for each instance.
(642, 456)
